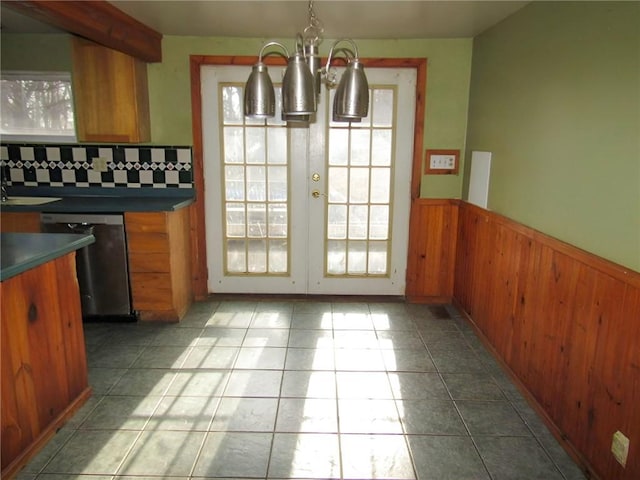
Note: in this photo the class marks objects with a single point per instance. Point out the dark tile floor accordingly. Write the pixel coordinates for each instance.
(300, 389)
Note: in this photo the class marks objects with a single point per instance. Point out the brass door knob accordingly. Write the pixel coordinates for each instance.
(317, 194)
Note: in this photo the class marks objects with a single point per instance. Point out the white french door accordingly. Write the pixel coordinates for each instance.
(318, 209)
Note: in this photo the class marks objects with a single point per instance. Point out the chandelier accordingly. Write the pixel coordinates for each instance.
(303, 76)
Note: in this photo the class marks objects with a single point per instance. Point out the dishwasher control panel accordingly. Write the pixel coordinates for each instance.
(82, 218)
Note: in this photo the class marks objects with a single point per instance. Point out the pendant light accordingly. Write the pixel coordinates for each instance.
(259, 94)
(351, 101)
(298, 92)
(301, 84)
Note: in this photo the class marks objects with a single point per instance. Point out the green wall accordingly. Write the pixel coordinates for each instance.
(555, 96)
(448, 74)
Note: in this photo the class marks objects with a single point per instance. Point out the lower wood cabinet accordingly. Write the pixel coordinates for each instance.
(159, 249)
(23, 222)
(44, 366)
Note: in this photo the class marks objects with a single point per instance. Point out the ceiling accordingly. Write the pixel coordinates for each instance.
(379, 19)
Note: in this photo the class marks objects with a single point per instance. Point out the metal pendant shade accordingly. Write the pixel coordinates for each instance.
(259, 94)
(352, 96)
(302, 80)
(298, 93)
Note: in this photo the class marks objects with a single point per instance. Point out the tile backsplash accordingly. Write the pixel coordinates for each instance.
(31, 165)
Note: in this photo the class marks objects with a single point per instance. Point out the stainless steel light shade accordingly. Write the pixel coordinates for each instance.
(259, 95)
(352, 96)
(298, 95)
(314, 62)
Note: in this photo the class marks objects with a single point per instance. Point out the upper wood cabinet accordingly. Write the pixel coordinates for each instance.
(111, 95)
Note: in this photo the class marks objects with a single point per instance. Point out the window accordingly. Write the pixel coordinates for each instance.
(37, 106)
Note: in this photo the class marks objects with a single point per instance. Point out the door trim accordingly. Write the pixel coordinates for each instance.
(198, 237)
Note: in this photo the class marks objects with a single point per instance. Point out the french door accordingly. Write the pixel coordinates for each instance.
(318, 209)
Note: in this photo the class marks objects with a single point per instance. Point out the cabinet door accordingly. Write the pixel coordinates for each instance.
(111, 94)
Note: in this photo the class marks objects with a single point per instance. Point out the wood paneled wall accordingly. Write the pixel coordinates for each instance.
(432, 250)
(565, 322)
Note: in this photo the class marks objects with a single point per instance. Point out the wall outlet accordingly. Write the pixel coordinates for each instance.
(620, 448)
(99, 164)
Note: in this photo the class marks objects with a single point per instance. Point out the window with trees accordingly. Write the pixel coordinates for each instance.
(37, 106)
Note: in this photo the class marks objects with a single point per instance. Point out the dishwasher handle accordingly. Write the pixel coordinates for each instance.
(84, 227)
(81, 227)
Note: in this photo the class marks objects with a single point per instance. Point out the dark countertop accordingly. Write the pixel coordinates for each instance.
(20, 252)
(109, 202)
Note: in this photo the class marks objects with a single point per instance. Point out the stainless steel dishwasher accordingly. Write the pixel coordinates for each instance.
(102, 267)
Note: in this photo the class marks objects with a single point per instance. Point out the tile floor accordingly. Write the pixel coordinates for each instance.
(300, 389)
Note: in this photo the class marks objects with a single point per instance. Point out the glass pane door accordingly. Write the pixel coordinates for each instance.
(255, 176)
(317, 209)
(363, 191)
(359, 191)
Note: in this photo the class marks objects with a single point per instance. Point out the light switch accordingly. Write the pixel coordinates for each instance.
(443, 162)
(447, 162)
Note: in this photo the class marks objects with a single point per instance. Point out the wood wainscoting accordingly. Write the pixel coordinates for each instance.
(566, 323)
(432, 250)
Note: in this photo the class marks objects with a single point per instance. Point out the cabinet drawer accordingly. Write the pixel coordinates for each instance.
(147, 242)
(146, 222)
(151, 291)
(149, 262)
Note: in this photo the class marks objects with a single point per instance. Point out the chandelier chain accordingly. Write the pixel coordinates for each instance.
(313, 32)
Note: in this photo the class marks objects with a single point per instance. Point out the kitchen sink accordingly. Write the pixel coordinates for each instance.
(29, 200)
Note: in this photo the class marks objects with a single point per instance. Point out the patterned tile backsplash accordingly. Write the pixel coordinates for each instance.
(30, 165)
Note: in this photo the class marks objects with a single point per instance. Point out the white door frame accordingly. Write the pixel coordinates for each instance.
(298, 171)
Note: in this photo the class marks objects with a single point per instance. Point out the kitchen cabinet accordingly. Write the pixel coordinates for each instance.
(159, 249)
(44, 366)
(111, 95)
(26, 222)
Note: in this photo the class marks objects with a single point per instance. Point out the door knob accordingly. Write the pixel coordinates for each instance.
(316, 194)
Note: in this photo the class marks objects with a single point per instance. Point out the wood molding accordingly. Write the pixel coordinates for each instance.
(427, 300)
(199, 255)
(99, 21)
(418, 139)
